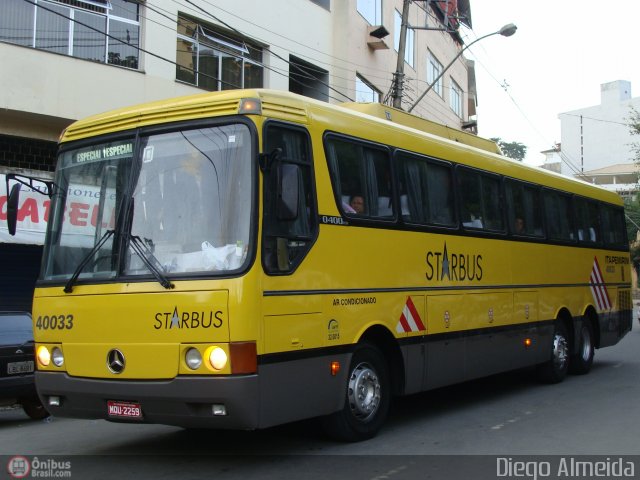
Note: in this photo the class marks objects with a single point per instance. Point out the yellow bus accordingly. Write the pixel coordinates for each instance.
(241, 259)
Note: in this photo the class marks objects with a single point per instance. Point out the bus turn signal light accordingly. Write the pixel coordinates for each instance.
(335, 368)
(244, 357)
(527, 342)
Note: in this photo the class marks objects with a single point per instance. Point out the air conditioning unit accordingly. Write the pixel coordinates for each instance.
(375, 37)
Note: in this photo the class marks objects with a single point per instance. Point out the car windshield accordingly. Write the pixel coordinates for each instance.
(165, 204)
(15, 328)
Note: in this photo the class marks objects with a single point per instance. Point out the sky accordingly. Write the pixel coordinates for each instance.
(556, 61)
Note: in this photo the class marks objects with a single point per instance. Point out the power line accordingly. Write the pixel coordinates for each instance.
(303, 73)
(386, 79)
(595, 119)
(160, 11)
(504, 86)
(138, 48)
(348, 63)
(291, 64)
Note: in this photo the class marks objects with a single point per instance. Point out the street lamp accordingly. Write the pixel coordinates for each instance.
(505, 31)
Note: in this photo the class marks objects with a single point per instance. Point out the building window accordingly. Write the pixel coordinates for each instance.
(455, 98)
(371, 10)
(97, 30)
(434, 69)
(365, 92)
(326, 4)
(212, 60)
(409, 45)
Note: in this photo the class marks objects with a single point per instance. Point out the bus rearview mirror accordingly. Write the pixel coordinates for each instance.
(12, 209)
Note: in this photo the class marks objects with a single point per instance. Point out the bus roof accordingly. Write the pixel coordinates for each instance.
(445, 143)
(401, 117)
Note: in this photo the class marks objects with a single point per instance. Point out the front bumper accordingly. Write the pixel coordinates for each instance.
(17, 387)
(184, 401)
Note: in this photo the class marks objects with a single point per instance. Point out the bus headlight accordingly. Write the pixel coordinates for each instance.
(217, 358)
(193, 358)
(44, 357)
(57, 357)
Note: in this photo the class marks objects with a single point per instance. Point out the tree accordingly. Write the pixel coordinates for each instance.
(634, 129)
(632, 218)
(632, 207)
(515, 150)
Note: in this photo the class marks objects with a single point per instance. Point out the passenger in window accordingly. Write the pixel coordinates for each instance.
(356, 202)
(518, 226)
(347, 208)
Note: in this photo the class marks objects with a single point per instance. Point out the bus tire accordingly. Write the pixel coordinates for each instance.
(34, 408)
(582, 360)
(368, 397)
(555, 369)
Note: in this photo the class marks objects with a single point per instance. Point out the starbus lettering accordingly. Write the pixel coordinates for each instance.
(455, 267)
(186, 319)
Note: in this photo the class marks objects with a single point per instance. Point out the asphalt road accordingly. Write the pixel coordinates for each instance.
(505, 416)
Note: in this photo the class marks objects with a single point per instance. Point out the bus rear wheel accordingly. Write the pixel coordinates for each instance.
(555, 369)
(367, 399)
(583, 359)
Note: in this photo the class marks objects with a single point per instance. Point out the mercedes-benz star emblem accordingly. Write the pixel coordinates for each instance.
(115, 361)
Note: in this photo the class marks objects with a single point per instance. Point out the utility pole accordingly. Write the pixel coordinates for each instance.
(398, 76)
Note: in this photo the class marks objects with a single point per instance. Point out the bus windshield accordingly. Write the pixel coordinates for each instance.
(164, 204)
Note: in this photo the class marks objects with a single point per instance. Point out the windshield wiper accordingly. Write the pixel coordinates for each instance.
(149, 259)
(68, 288)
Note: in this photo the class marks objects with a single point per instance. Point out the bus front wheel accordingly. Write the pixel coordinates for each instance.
(34, 408)
(555, 369)
(367, 398)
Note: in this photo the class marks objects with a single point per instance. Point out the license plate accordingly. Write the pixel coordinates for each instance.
(124, 409)
(15, 368)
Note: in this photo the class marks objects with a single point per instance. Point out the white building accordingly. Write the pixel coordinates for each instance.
(553, 159)
(621, 178)
(596, 137)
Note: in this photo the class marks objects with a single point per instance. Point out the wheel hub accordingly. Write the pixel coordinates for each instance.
(560, 351)
(364, 392)
(586, 344)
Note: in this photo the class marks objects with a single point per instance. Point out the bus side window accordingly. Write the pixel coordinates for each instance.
(426, 190)
(481, 200)
(558, 216)
(523, 208)
(361, 176)
(588, 219)
(286, 241)
(614, 230)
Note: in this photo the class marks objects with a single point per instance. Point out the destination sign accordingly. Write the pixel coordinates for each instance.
(107, 152)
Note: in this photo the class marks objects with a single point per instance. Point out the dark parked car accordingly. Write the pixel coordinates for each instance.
(17, 360)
